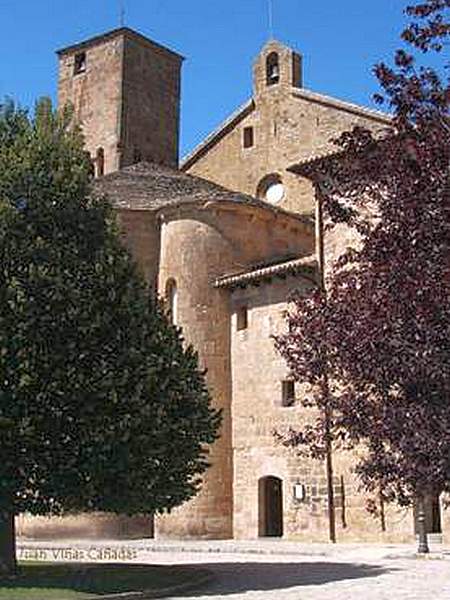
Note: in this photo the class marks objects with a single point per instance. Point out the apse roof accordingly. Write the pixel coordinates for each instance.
(148, 186)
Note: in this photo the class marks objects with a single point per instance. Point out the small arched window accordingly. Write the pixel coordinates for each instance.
(272, 69)
(100, 162)
(172, 300)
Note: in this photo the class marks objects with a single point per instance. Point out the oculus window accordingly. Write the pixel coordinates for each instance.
(271, 189)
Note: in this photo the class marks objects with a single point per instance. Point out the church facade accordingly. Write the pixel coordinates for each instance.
(225, 237)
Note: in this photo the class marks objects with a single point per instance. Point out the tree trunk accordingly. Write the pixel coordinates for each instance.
(320, 249)
(422, 526)
(330, 487)
(382, 514)
(8, 561)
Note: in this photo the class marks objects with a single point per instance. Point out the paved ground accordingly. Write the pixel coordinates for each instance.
(296, 578)
(288, 571)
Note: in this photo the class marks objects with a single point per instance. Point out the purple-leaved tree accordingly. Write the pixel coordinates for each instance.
(374, 340)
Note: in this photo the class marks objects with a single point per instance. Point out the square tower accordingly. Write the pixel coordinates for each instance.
(125, 90)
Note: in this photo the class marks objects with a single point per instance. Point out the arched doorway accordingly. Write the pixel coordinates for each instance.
(270, 502)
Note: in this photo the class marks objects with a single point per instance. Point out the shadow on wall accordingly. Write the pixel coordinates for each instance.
(233, 578)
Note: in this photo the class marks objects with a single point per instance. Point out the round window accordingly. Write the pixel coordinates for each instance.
(271, 189)
(275, 193)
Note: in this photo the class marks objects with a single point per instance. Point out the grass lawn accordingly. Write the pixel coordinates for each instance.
(58, 581)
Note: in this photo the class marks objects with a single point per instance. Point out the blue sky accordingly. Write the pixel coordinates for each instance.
(340, 41)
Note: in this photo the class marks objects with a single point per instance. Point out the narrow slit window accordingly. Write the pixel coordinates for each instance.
(91, 163)
(100, 162)
(248, 137)
(80, 63)
(172, 300)
(242, 318)
(287, 393)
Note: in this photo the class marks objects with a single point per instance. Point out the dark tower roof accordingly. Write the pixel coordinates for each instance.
(124, 31)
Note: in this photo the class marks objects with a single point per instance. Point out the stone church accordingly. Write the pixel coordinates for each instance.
(225, 236)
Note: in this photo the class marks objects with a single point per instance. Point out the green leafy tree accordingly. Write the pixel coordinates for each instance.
(101, 406)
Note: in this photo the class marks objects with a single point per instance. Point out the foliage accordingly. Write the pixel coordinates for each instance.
(85, 581)
(101, 406)
(380, 332)
(306, 349)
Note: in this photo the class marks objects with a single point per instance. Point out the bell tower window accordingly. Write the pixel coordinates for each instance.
(272, 69)
(80, 63)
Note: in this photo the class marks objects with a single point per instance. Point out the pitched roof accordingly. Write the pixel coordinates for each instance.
(309, 165)
(236, 117)
(344, 105)
(217, 134)
(147, 186)
(312, 165)
(306, 266)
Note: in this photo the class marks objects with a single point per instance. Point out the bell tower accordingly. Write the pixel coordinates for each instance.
(125, 90)
(276, 67)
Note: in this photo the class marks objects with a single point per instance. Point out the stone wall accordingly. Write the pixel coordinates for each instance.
(141, 235)
(151, 104)
(191, 253)
(96, 95)
(257, 373)
(197, 246)
(84, 526)
(289, 124)
(127, 98)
